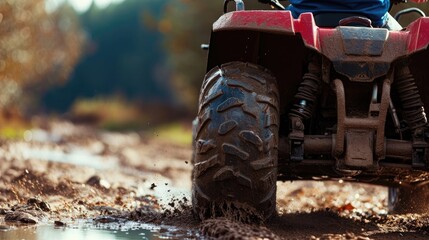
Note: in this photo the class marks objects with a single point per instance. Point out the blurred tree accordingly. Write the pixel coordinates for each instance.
(37, 49)
(186, 24)
(124, 57)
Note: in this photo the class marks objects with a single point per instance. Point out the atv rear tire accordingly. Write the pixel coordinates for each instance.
(235, 144)
(409, 199)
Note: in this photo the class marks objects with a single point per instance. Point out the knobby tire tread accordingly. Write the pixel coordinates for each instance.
(235, 144)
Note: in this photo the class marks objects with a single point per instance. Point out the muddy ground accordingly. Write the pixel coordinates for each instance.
(61, 173)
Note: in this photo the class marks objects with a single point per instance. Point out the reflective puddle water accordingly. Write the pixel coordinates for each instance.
(124, 231)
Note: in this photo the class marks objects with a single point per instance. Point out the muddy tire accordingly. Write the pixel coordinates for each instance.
(235, 144)
(409, 199)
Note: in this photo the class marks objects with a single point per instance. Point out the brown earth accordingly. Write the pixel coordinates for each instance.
(115, 176)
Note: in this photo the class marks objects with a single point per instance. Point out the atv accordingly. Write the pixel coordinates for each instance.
(322, 97)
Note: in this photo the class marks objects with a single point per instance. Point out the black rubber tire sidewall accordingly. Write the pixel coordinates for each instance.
(236, 139)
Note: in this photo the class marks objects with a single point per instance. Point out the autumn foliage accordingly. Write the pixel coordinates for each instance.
(37, 49)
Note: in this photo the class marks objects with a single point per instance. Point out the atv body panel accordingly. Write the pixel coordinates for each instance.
(359, 56)
(274, 39)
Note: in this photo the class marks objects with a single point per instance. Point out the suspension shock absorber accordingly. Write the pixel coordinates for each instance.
(412, 106)
(305, 102)
(413, 112)
(305, 99)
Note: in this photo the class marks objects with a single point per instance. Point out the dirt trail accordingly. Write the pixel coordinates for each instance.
(65, 172)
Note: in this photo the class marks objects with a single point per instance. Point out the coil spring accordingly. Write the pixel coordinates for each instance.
(412, 105)
(305, 99)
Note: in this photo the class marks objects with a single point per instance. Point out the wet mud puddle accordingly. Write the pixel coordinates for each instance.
(88, 230)
(165, 189)
(100, 186)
